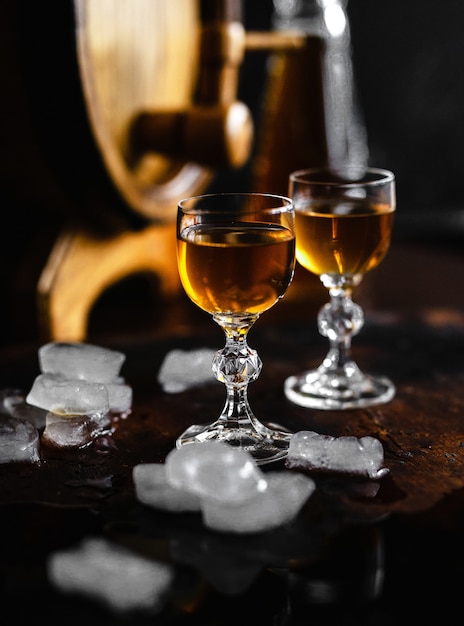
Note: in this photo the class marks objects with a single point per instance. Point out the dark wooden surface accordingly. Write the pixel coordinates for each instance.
(383, 556)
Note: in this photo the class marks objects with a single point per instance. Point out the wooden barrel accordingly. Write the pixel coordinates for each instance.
(75, 77)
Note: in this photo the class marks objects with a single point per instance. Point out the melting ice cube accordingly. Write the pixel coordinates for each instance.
(119, 396)
(215, 470)
(73, 431)
(78, 386)
(83, 361)
(119, 578)
(279, 504)
(68, 397)
(182, 369)
(13, 403)
(311, 450)
(225, 484)
(153, 489)
(19, 440)
(78, 361)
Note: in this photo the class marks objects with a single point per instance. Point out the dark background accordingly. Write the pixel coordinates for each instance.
(408, 59)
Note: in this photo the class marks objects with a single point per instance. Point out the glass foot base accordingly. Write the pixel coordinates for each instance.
(319, 389)
(268, 444)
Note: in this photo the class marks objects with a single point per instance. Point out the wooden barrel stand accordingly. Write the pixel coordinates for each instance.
(159, 84)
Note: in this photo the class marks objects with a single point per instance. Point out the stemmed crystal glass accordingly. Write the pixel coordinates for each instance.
(236, 258)
(343, 227)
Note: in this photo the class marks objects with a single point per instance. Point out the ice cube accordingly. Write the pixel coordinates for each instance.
(73, 431)
(82, 361)
(277, 505)
(119, 397)
(13, 403)
(153, 489)
(216, 470)
(119, 578)
(182, 369)
(311, 450)
(19, 440)
(68, 397)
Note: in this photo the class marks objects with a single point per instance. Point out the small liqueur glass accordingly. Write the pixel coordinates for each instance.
(343, 226)
(236, 259)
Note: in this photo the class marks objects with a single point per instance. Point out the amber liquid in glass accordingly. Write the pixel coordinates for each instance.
(346, 238)
(235, 268)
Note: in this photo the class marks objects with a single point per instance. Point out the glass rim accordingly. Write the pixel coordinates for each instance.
(190, 203)
(383, 176)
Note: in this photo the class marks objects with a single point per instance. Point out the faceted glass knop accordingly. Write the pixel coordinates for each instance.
(336, 321)
(236, 364)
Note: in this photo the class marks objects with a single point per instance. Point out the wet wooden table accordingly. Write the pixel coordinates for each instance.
(360, 552)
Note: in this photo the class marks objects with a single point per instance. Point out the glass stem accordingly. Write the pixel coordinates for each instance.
(339, 320)
(236, 365)
(236, 407)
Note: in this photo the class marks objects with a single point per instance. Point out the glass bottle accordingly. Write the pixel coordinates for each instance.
(310, 114)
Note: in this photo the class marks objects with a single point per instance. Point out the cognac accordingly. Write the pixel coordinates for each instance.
(343, 238)
(234, 269)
